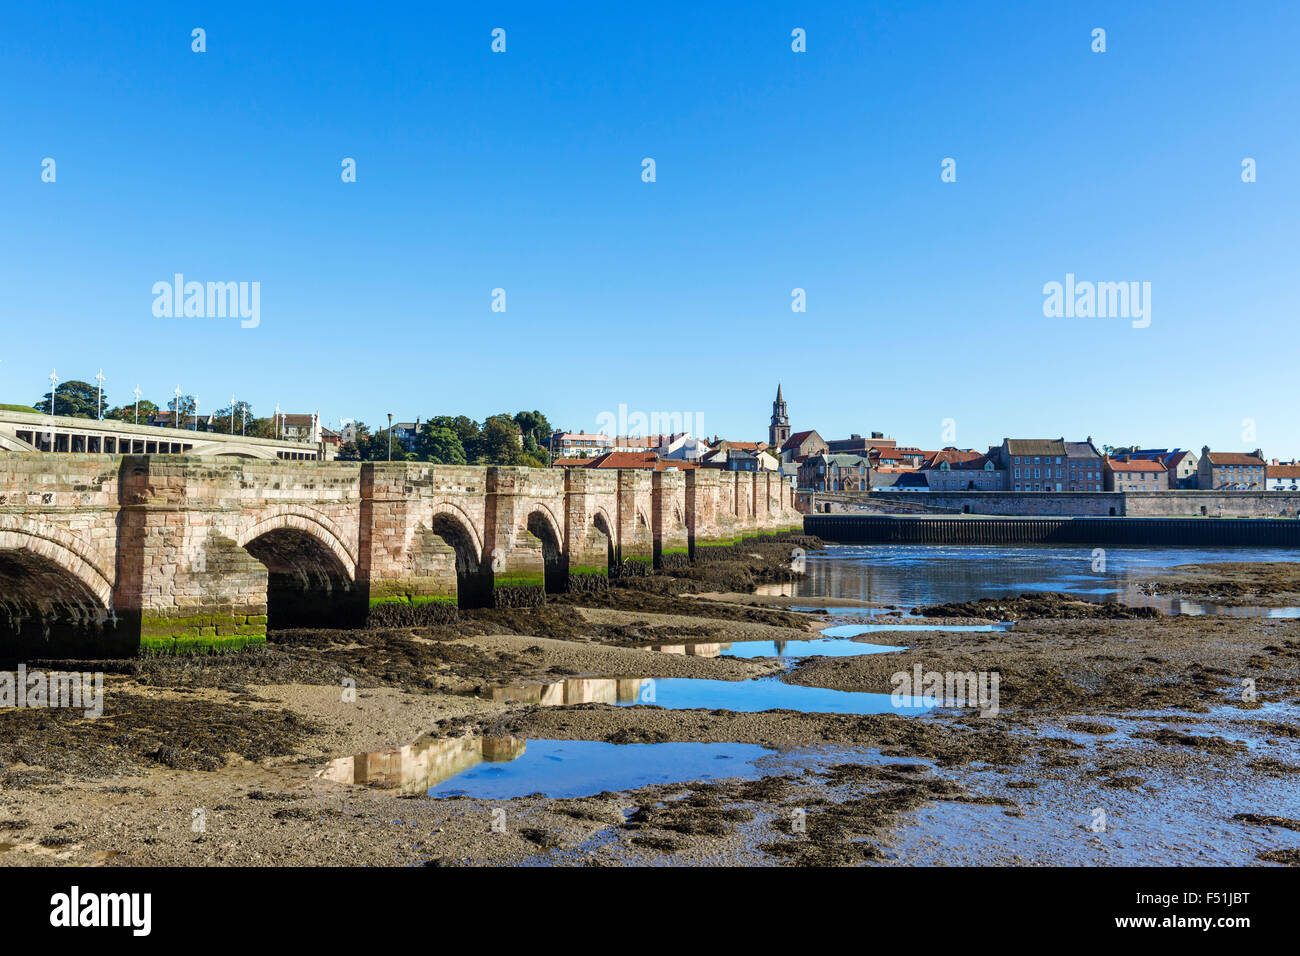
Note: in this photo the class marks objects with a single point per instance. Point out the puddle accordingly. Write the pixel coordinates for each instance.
(422, 764)
(834, 646)
(688, 693)
(581, 768)
(853, 630)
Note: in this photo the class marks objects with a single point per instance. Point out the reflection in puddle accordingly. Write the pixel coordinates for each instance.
(853, 630)
(684, 693)
(581, 768)
(418, 766)
(834, 646)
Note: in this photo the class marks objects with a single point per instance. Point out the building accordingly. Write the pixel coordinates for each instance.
(1282, 476)
(802, 445)
(857, 445)
(1038, 464)
(1181, 464)
(899, 479)
(1230, 470)
(579, 444)
(1135, 474)
(1084, 470)
(645, 460)
(404, 433)
(640, 442)
(953, 469)
(825, 472)
(778, 430)
(683, 447)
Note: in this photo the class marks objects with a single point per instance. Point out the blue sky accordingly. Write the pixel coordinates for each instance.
(775, 170)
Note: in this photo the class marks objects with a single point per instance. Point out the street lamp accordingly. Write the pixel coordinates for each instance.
(54, 384)
(196, 414)
(99, 397)
(277, 420)
(176, 412)
(136, 393)
(390, 436)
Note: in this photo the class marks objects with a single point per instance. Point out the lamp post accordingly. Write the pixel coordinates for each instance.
(176, 412)
(54, 384)
(390, 436)
(99, 397)
(277, 421)
(136, 393)
(232, 415)
(196, 414)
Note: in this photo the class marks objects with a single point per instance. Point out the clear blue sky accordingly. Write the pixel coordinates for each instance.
(775, 170)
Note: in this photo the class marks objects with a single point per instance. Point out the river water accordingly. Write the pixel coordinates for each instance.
(918, 575)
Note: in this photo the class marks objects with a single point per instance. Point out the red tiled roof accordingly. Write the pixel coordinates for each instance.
(1282, 471)
(646, 460)
(795, 440)
(1134, 464)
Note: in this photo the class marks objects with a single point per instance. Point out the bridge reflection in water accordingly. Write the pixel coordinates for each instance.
(577, 690)
(422, 764)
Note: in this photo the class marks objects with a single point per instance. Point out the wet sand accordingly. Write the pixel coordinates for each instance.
(1142, 720)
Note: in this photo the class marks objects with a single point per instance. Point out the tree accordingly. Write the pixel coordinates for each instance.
(500, 443)
(243, 415)
(466, 430)
(126, 413)
(72, 398)
(440, 445)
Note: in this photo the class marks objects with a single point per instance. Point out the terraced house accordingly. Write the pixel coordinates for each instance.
(1231, 470)
(955, 470)
(1035, 464)
(1136, 474)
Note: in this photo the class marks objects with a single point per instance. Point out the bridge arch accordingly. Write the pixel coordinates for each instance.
(305, 520)
(311, 574)
(543, 526)
(61, 548)
(54, 593)
(603, 523)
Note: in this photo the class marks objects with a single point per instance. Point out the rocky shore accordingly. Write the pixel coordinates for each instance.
(1178, 734)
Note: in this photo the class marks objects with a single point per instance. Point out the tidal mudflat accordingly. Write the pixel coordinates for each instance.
(1123, 733)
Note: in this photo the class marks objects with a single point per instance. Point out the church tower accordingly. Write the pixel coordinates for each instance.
(779, 430)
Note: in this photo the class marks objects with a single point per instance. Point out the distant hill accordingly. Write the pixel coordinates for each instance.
(17, 408)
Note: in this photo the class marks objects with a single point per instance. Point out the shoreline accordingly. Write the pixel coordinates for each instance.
(1127, 713)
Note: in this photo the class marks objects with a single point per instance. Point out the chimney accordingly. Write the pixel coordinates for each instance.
(1258, 453)
(1205, 450)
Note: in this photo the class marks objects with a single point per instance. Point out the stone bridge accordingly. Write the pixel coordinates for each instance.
(112, 554)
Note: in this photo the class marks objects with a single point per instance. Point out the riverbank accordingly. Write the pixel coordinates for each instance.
(216, 760)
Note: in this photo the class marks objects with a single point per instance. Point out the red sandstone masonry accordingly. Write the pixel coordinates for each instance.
(168, 535)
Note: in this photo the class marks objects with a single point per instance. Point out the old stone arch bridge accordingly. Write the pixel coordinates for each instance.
(111, 554)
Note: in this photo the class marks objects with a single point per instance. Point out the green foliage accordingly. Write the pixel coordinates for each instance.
(126, 413)
(439, 444)
(72, 398)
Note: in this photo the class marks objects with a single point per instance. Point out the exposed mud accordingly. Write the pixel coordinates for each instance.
(1182, 729)
(1263, 584)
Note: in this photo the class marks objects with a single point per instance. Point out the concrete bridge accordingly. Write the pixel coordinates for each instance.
(34, 432)
(110, 554)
